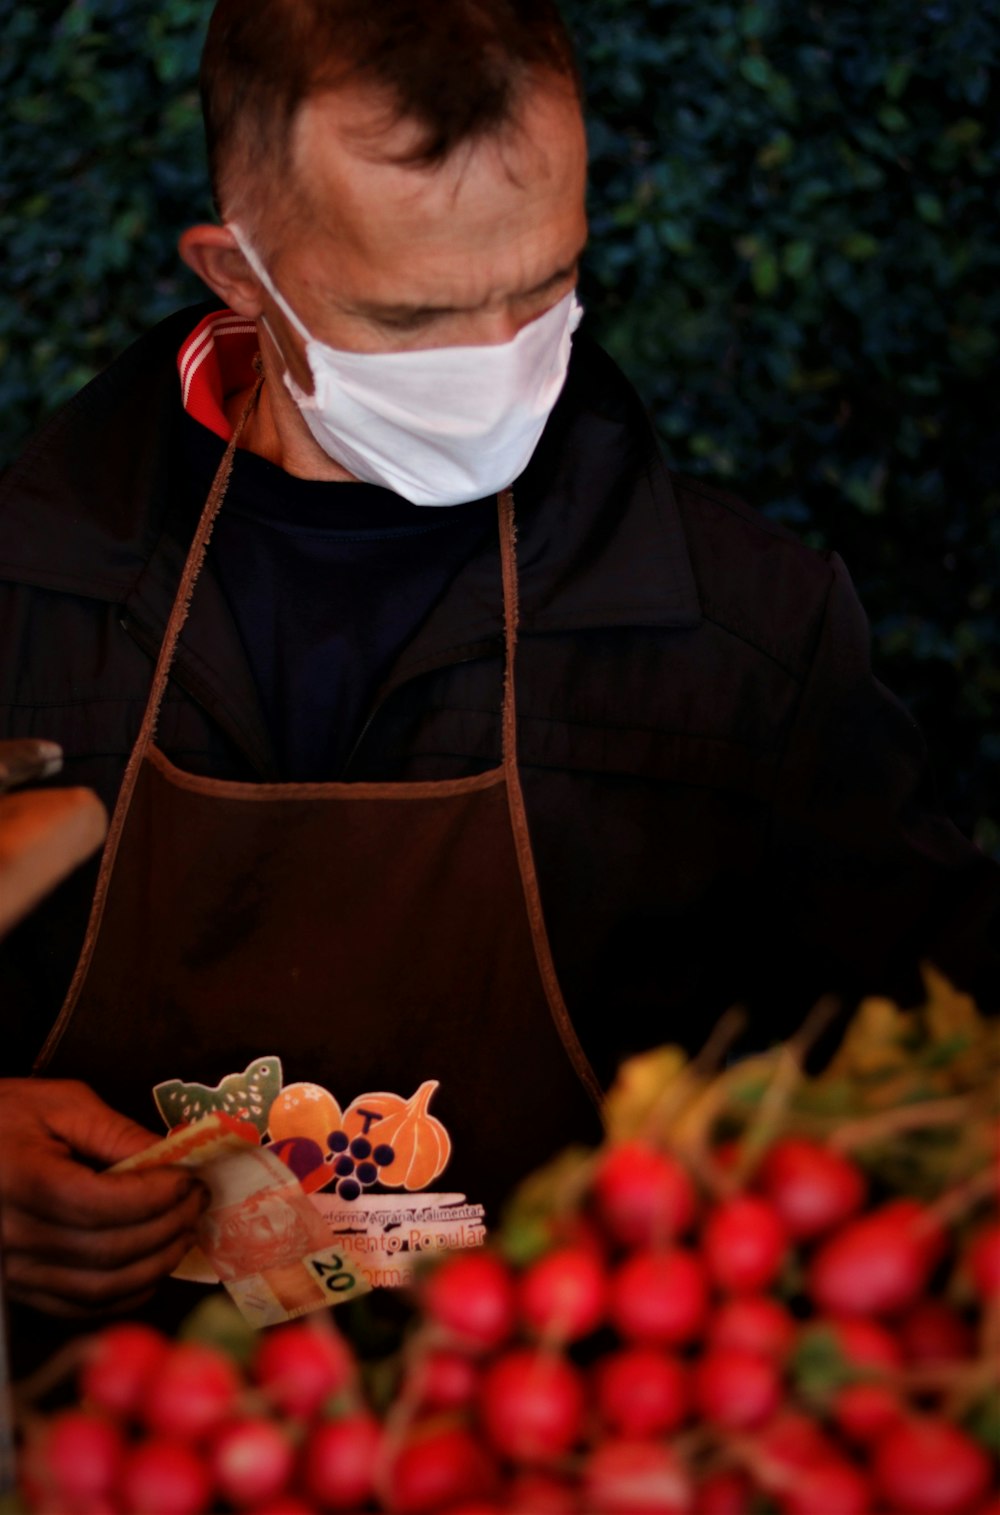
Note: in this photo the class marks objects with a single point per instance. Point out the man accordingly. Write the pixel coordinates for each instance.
(413, 809)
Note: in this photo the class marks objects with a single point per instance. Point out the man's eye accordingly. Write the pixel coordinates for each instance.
(553, 292)
(416, 322)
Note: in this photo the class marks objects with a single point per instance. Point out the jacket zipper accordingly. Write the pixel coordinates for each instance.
(393, 685)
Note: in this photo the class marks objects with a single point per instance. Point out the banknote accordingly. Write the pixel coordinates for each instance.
(262, 1237)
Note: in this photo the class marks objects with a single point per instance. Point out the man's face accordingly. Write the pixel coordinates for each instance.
(389, 257)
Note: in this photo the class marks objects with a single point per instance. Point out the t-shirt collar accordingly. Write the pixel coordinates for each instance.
(214, 362)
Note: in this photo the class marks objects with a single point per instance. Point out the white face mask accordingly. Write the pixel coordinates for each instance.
(440, 425)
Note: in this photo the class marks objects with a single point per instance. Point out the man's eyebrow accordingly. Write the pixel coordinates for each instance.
(415, 312)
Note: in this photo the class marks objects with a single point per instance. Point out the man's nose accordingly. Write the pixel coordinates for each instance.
(495, 326)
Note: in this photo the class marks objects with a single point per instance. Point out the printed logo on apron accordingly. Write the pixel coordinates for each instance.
(367, 1166)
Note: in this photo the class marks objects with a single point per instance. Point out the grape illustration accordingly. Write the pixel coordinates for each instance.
(356, 1163)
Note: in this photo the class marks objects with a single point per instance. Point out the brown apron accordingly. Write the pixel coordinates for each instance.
(376, 938)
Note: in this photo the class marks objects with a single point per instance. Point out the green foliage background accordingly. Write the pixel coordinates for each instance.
(796, 256)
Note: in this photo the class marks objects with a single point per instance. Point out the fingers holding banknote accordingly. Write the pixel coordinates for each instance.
(78, 1241)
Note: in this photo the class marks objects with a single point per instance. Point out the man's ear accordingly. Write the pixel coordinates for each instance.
(213, 254)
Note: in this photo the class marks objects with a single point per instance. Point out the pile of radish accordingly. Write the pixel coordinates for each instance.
(777, 1348)
(766, 1292)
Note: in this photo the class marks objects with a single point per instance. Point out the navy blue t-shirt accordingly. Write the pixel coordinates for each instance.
(327, 582)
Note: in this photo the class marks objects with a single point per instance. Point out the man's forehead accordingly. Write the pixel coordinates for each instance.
(358, 119)
(501, 215)
(346, 141)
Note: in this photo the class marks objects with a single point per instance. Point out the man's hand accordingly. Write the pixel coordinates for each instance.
(77, 1241)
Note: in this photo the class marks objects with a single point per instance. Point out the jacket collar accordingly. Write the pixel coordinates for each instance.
(91, 509)
(600, 541)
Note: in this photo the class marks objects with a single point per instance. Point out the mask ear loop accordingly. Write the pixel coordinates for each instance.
(246, 248)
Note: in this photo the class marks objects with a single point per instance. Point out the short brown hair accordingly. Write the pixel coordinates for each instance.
(454, 67)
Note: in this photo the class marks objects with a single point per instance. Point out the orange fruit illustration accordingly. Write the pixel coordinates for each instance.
(310, 1111)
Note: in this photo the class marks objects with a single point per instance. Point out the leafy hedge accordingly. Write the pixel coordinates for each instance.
(796, 255)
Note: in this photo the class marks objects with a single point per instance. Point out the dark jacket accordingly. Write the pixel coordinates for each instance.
(725, 805)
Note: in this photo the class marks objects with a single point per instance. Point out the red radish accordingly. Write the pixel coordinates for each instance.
(834, 1486)
(443, 1380)
(876, 1265)
(729, 1492)
(744, 1243)
(736, 1389)
(339, 1461)
(644, 1196)
(251, 1460)
(812, 1187)
(863, 1412)
(929, 1232)
(726, 1493)
(752, 1323)
(793, 1440)
(436, 1469)
(74, 1460)
(641, 1391)
(635, 1478)
(929, 1467)
(660, 1298)
(532, 1405)
(119, 1362)
(982, 1260)
(534, 1492)
(472, 1297)
(860, 1341)
(192, 1392)
(563, 1296)
(286, 1504)
(301, 1366)
(932, 1331)
(164, 1476)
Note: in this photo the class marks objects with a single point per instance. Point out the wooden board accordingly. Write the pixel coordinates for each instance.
(44, 835)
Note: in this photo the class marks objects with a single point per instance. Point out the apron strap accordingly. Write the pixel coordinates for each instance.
(511, 618)
(519, 816)
(147, 731)
(189, 577)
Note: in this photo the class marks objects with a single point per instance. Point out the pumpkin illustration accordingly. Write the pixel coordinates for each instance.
(420, 1144)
